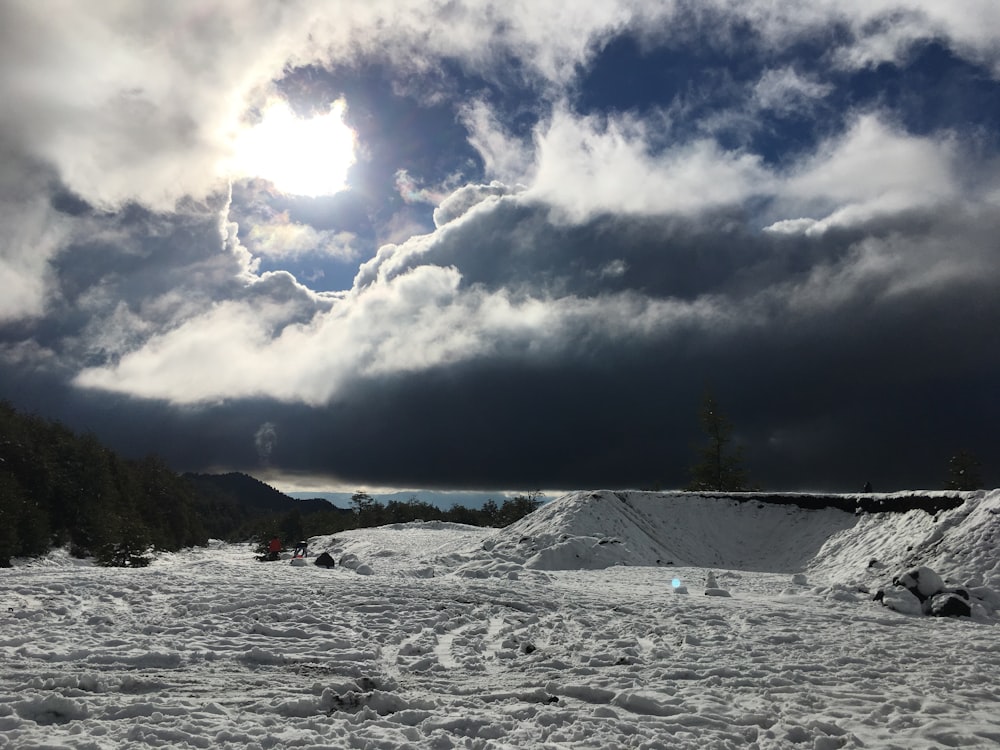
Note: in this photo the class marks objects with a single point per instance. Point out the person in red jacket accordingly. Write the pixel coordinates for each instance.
(274, 549)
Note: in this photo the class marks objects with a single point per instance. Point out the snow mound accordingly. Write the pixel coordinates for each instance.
(832, 538)
(416, 549)
(955, 533)
(601, 529)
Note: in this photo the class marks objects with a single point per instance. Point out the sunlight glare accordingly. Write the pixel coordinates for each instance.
(299, 156)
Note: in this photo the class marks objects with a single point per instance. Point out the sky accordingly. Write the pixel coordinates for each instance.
(477, 245)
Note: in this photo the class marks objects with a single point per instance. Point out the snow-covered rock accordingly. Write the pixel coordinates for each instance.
(900, 600)
(924, 586)
(717, 592)
(922, 582)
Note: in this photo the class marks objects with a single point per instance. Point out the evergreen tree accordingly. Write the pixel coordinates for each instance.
(517, 507)
(720, 468)
(490, 513)
(367, 509)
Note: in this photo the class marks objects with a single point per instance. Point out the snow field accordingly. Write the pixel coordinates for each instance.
(450, 639)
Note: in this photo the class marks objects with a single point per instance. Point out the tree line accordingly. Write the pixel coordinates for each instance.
(61, 489)
(58, 488)
(367, 511)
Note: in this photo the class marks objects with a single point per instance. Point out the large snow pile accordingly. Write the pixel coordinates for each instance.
(600, 529)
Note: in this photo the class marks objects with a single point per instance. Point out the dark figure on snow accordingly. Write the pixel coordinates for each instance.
(868, 487)
(300, 550)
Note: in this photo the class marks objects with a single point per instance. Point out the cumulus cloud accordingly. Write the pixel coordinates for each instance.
(125, 106)
(465, 198)
(408, 314)
(589, 165)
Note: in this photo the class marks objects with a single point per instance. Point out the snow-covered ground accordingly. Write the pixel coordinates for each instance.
(561, 631)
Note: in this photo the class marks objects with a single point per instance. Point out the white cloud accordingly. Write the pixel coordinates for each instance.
(587, 166)
(614, 270)
(141, 104)
(887, 29)
(882, 30)
(32, 236)
(467, 197)
(871, 170)
(412, 322)
(411, 191)
(129, 103)
(506, 158)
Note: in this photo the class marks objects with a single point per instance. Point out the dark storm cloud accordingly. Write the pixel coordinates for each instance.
(833, 374)
(878, 393)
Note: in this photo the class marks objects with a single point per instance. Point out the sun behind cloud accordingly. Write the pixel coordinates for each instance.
(300, 156)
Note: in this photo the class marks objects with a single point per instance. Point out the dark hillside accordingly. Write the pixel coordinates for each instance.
(252, 495)
(58, 488)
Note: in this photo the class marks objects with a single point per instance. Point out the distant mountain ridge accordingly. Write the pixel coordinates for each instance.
(251, 494)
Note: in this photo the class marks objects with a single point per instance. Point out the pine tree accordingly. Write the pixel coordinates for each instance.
(720, 469)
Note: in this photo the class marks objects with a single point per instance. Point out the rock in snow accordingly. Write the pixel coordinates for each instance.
(929, 591)
(949, 604)
(324, 560)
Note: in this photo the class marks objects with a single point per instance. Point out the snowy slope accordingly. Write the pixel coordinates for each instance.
(594, 529)
(962, 544)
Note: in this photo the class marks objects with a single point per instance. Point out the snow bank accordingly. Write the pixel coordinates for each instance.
(599, 529)
(753, 532)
